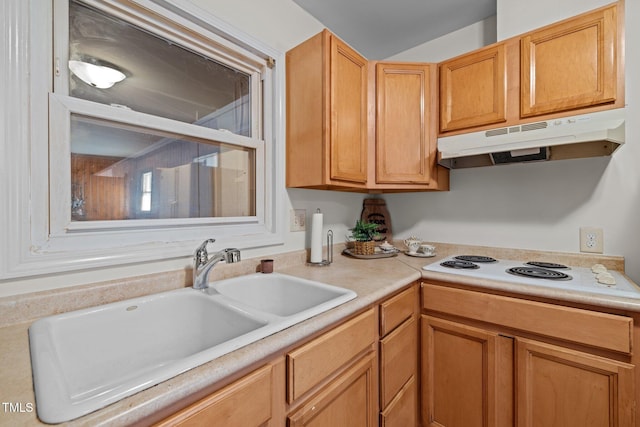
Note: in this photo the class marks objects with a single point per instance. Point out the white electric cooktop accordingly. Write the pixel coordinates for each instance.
(549, 275)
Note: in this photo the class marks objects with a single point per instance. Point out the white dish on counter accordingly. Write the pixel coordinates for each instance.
(419, 254)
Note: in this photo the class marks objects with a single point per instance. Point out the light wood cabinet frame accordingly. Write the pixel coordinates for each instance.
(229, 405)
(345, 133)
(348, 112)
(350, 400)
(545, 74)
(571, 64)
(402, 411)
(314, 362)
(473, 89)
(395, 310)
(398, 360)
(327, 115)
(600, 330)
(545, 372)
(405, 147)
(460, 364)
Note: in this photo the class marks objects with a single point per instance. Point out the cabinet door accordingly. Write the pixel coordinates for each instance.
(348, 111)
(405, 150)
(348, 401)
(459, 375)
(559, 387)
(570, 65)
(472, 89)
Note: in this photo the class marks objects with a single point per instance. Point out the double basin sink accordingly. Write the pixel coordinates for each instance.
(87, 359)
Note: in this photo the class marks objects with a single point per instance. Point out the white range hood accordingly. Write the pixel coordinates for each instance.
(586, 135)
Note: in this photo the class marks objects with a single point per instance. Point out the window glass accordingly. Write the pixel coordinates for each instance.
(121, 172)
(145, 202)
(160, 77)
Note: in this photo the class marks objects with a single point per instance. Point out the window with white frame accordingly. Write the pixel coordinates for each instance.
(159, 132)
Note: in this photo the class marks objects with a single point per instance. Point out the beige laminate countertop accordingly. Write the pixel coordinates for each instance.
(371, 280)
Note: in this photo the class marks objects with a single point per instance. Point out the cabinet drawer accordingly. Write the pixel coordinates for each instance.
(398, 360)
(348, 400)
(591, 328)
(310, 364)
(229, 405)
(403, 410)
(396, 310)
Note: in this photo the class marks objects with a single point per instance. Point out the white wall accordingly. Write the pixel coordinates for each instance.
(541, 205)
(518, 16)
(456, 43)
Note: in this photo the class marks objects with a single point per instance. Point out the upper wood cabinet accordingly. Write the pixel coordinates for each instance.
(473, 89)
(571, 64)
(327, 85)
(406, 112)
(357, 125)
(574, 66)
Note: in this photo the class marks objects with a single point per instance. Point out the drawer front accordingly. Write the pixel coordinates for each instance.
(310, 364)
(398, 360)
(602, 330)
(397, 309)
(231, 404)
(348, 400)
(403, 410)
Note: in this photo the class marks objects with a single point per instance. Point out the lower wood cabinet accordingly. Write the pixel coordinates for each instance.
(481, 368)
(403, 409)
(470, 359)
(461, 374)
(244, 403)
(399, 359)
(332, 380)
(348, 401)
(562, 387)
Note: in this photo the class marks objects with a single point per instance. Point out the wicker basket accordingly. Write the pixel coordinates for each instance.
(364, 248)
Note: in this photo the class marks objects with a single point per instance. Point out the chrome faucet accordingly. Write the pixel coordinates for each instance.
(202, 264)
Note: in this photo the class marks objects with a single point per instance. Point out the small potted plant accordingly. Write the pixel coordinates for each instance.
(364, 234)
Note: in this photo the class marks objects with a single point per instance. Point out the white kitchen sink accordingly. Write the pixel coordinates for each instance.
(87, 359)
(280, 294)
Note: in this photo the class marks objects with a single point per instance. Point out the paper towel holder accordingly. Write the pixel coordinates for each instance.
(329, 260)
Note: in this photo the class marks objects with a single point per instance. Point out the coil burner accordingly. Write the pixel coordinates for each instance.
(467, 265)
(538, 273)
(475, 258)
(546, 264)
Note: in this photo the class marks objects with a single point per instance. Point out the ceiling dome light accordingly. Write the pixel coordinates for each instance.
(99, 76)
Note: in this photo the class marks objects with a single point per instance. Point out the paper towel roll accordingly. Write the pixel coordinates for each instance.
(316, 237)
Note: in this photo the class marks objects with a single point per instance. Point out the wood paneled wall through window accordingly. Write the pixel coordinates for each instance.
(98, 188)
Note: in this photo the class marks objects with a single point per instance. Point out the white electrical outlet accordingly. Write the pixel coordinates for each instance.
(591, 240)
(298, 219)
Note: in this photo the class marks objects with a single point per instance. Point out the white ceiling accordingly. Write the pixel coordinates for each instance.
(381, 28)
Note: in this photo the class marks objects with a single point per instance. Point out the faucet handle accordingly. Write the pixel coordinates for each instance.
(201, 256)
